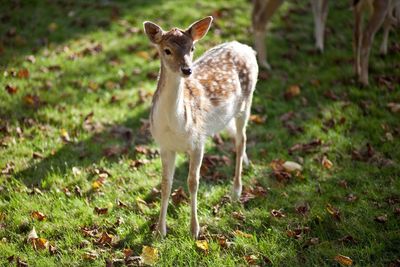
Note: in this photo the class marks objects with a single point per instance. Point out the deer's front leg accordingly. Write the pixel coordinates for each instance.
(168, 169)
(196, 157)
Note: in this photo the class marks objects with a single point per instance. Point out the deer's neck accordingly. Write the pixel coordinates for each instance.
(170, 87)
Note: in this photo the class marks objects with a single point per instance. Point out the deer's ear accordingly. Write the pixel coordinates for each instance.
(199, 28)
(153, 31)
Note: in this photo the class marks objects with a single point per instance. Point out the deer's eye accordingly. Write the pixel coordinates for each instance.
(167, 51)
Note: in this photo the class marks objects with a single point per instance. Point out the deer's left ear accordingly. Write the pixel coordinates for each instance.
(199, 28)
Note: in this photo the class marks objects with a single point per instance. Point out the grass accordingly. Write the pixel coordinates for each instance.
(81, 112)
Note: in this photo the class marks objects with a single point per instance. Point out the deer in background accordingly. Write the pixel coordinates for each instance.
(195, 100)
(381, 13)
(262, 13)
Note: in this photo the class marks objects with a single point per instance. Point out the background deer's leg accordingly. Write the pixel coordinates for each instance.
(375, 22)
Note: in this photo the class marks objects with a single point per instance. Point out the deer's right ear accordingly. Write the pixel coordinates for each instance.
(153, 31)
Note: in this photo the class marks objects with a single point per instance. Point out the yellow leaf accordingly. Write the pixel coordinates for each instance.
(149, 255)
(203, 245)
(42, 243)
(242, 234)
(344, 260)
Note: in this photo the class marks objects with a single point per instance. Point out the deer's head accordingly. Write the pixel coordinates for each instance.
(176, 46)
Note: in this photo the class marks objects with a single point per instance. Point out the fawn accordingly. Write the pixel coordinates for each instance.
(195, 100)
(381, 13)
(262, 13)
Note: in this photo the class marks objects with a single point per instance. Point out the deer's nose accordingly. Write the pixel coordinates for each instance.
(186, 71)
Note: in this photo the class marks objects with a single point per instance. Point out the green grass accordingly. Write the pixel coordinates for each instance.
(71, 83)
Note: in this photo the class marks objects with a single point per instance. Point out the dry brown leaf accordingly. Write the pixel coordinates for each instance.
(12, 90)
(105, 239)
(258, 119)
(32, 100)
(149, 255)
(127, 252)
(179, 196)
(381, 219)
(292, 91)
(394, 107)
(38, 216)
(101, 210)
(251, 259)
(143, 54)
(326, 163)
(277, 213)
(23, 74)
(344, 260)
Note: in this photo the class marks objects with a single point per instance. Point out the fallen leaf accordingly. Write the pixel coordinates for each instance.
(12, 90)
(127, 252)
(291, 166)
(333, 211)
(41, 243)
(38, 216)
(90, 255)
(307, 147)
(242, 234)
(179, 196)
(105, 239)
(98, 183)
(303, 209)
(65, 136)
(381, 219)
(277, 213)
(251, 259)
(258, 119)
(344, 260)
(394, 107)
(326, 163)
(292, 91)
(23, 74)
(351, 197)
(101, 210)
(202, 245)
(149, 255)
(32, 100)
(32, 235)
(37, 155)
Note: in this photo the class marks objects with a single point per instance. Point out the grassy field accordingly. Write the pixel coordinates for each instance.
(79, 166)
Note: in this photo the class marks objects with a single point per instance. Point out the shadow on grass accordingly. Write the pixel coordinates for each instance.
(29, 26)
(108, 144)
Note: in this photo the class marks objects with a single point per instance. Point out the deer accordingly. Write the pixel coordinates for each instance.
(261, 14)
(381, 14)
(195, 100)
